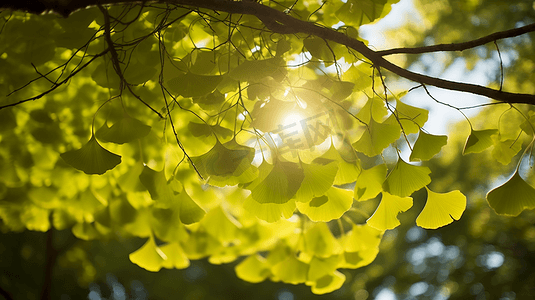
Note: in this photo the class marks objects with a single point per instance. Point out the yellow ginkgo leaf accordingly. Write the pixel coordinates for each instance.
(327, 207)
(176, 258)
(150, 257)
(370, 183)
(328, 283)
(441, 209)
(512, 197)
(405, 179)
(291, 270)
(270, 212)
(253, 269)
(385, 216)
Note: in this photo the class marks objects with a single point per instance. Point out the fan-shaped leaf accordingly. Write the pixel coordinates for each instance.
(256, 70)
(150, 257)
(226, 159)
(479, 140)
(318, 179)
(221, 225)
(125, 130)
(280, 185)
(411, 118)
(269, 212)
(370, 183)
(291, 270)
(376, 138)
(92, 158)
(348, 165)
(405, 179)
(441, 209)
(330, 206)
(253, 269)
(320, 242)
(193, 85)
(427, 146)
(504, 151)
(176, 257)
(385, 216)
(512, 197)
(319, 267)
(328, 283)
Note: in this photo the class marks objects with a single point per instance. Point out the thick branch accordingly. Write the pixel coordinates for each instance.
(462, 46)
(279, 22)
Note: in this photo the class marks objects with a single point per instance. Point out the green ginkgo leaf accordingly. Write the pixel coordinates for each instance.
(319, 267)
(221, 225)
(479, 140)
(411, 118)
(175, 256)
(405, 179)
(92, 158)
(373, 109)
(269, 212)
(253, 269)
(512, 197)
(280, 185)
(427, 146)
(328, 283)
(441, 209)
(504, 151)
(226, 159)
(327, 207)
(348, 165)
(193, 85)
(150, 257)
(361, 245)
(160, 189)
(85, 231)
(385, 216)
(203, 129)
(370, 183)
(190, 212)
(320, 242)
(125, 130)
(256, 70)
(291, 270)
(318, 179)
(376, 138)
(342, 90)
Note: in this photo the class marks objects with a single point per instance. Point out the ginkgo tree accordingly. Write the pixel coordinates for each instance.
(230, 130)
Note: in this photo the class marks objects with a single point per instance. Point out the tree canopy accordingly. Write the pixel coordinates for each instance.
(259, 132)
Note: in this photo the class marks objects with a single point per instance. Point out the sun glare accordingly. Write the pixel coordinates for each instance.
(291, 118)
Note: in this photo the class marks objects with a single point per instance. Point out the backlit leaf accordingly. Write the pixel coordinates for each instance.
(193, 85)
(427, 146)
(411, 118)
(318, 178)
(504, 151)
(327, 207)
(370, 183)
(479, 140)
(270, 212)
(385, 216)
(328, 283)
(226, 159)
(441, 209)
(291, 270)
(176, 258)
(125, 130)
(376, 138)
(256, 70)
(348, 165)
(150, 257)
(320, 242)
(92, 158)
(405, 179)
(280, 185)
(512, 197)
(253, 269)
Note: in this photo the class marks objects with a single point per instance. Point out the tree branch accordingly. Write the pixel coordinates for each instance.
(462, 46)
(280, 22)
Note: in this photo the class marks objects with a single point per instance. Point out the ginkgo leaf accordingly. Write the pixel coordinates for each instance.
(342, 90)
(256, 70)
(411, 118)
(203, 129)
(512, 197)
(376, 138)
(478, 141)
(318, 179)
(319, 241)
(226, 159)
(221, 225)
(504, 151)
(441, 209)
(159, 188)
(193, 85)
(190, 212)
(291, 270)
(253, 269)
(327, 207)
(370, 183)
(328, 283)
(125, 130)
(92, 158)
(427, 146)
(373, 109)
(385, 216)
(175, 256)
(280, 185)
(348, 165)
(85, 231)
(361, 245)
(319, 267)
(405, 179)
(269, 212)
(150, 257)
